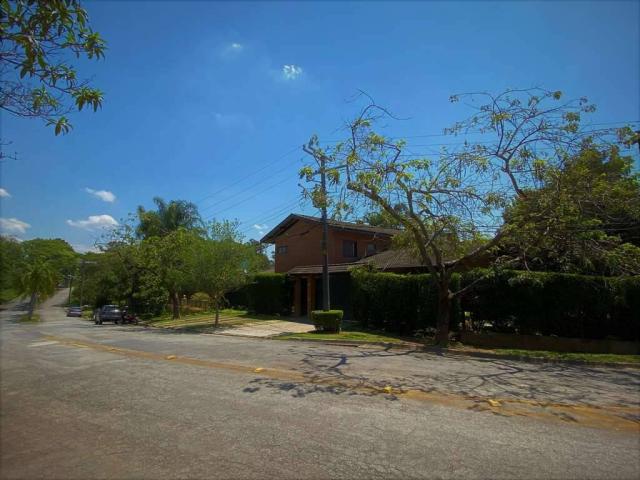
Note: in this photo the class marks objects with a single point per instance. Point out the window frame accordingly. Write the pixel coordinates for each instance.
(353, 252)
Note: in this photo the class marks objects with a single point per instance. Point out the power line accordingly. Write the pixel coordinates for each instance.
(252, 187)
(247, 198)
(430, 135)
(255, 172)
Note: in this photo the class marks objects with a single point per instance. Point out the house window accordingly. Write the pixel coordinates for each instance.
(281, 249)
(371, 248)
(349, 249)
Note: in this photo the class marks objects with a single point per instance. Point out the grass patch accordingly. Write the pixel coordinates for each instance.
(205, 320)
(7, 294)
(348, 333)
(34, 318)
(582, 357)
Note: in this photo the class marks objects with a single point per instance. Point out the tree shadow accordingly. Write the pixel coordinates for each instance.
(373, 371)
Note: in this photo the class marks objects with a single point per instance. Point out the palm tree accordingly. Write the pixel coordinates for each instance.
(38, 282)
(167, 218)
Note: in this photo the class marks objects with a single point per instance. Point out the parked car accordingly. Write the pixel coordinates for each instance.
(107, 313)
(74, 312)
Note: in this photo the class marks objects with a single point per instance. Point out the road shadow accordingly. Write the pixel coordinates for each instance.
(376, 370)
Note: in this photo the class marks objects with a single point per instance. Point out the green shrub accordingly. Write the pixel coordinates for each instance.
(555, 304)
(200, 297)
(269, 293)
(329, 321)
(397, 303)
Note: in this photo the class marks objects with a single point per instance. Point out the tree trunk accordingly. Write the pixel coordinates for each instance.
(444, 314)
(217, 313)
(175, 304)
(32, 304)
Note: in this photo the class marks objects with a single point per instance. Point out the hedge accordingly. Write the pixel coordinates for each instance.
(329, 321)
(398, 303)
(556, 304)
(269, 293)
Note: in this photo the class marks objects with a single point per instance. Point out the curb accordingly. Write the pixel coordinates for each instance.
(428, 349)
(460, 353)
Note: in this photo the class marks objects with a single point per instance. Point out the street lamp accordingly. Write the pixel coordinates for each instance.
(70, 278)
(83, 262)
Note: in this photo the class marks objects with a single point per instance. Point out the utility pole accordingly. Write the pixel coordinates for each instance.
(70, 277)
(82, 264)
(321, 160)
(326, 304)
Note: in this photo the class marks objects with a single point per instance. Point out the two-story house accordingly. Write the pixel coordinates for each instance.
(297, 240)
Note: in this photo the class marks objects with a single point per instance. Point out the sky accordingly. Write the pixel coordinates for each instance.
(211, 101)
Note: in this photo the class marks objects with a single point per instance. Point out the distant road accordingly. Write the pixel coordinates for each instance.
(85, 401)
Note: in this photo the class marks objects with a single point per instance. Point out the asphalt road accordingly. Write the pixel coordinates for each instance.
(86, 401)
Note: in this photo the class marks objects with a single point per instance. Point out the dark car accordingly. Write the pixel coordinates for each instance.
(74, 312)
(107, 313)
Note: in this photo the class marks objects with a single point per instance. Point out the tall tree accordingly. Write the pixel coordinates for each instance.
(11, 259)
(169, 264)
(38, 281)
(223, 263)
(584, 219)
(168, 217)
(56, 251)
(38, 40)
(454, 202)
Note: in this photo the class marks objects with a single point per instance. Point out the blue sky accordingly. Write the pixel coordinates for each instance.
(211, 101)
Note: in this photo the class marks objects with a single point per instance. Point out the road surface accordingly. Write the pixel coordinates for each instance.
(86, 401)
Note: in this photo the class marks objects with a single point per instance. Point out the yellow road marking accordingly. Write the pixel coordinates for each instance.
(616, 417)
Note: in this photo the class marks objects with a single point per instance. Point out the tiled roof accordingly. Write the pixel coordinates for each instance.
(317, 269)
(335, 224)
(389, 260)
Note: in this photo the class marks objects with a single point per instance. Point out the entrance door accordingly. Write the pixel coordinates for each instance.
(303, 296)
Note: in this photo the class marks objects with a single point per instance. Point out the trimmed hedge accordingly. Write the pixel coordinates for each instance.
(269, 293)
(329, 321)
(398, 303)
(556, 304)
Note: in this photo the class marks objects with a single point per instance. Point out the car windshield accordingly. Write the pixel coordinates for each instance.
(110, 307)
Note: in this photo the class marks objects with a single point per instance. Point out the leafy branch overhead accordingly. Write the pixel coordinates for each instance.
(39, 39)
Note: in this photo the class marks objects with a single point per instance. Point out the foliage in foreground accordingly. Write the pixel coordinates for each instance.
(39, 39)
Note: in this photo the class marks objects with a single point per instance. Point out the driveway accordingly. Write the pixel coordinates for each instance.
(268, 328)
(87, 401)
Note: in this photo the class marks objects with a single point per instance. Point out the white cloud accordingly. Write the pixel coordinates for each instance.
(291, 72)
(261, 228)
(104, 195)
(13, 225)
(4, 193)
(231, 50)
(94, 222)
(82, 248)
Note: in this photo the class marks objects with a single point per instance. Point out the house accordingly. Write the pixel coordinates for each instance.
(297, 240)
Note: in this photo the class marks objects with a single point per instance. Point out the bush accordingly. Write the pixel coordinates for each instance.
(269, 293)
(555, 304)
(397, 303)
(201, 297)
(329, 321)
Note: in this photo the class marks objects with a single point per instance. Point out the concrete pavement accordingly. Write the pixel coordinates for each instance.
(86, 401)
